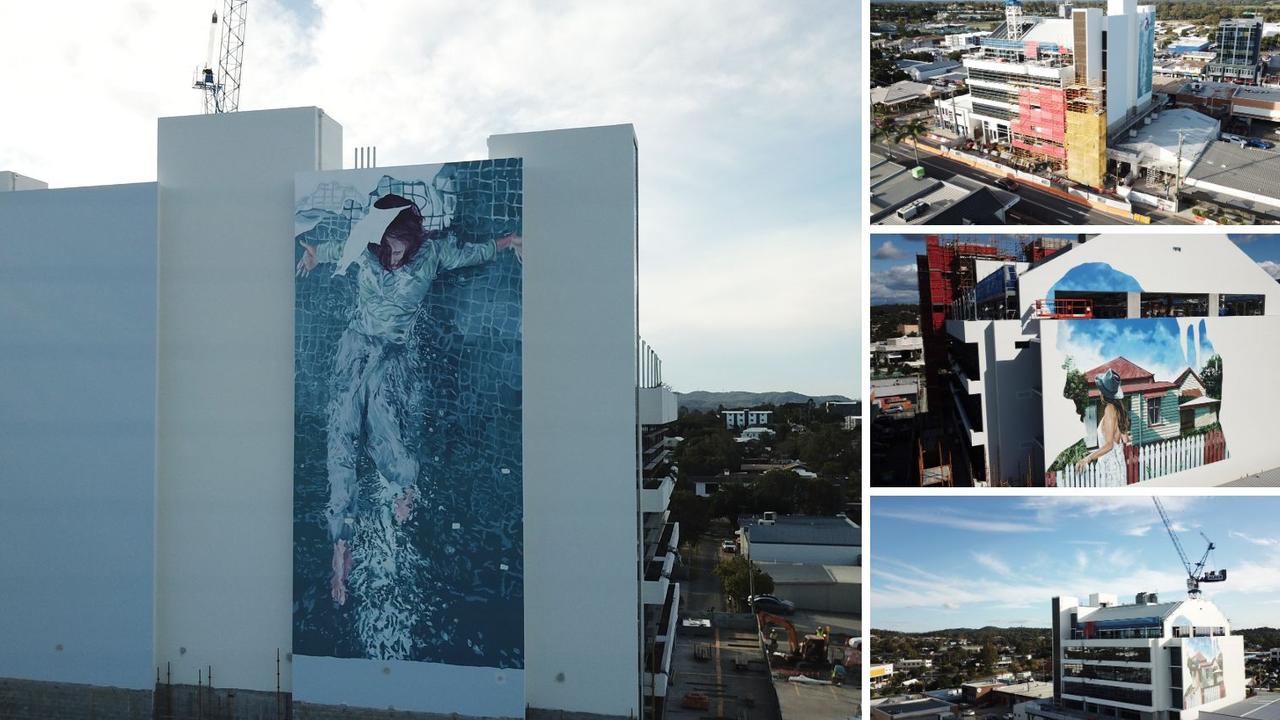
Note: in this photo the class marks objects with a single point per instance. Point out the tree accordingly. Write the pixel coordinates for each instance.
(1211, 376)
(989, 655)
(692, 512)
(911, 130)
(736, 582)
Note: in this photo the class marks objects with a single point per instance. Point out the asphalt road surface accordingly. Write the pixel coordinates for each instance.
(1035, 207)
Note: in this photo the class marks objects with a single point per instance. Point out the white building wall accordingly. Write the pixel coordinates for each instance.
(1169, 263)
(224, 455)
(13, 182)
(77, 434)
(1010, 402)
(581, 443)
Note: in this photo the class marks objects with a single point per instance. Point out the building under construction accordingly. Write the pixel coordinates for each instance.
(1046, 92)
(965, 278)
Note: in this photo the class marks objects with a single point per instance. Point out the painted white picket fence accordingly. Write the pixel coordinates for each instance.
(1170, 456)
(1151, 461)
(1087, 478)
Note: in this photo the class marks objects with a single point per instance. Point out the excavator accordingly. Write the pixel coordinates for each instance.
(813, 649)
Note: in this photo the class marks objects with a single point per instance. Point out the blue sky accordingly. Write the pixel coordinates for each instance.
(893, 262)
(968, 562)
(747, 166)
(1154, 344)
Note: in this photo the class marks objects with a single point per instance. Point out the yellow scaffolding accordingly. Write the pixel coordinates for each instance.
(1086, 136)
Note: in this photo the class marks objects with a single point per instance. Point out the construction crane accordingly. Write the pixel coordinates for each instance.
(1196, 574)
(221, 85)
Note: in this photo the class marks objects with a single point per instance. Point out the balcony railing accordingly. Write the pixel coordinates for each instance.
(649, 366)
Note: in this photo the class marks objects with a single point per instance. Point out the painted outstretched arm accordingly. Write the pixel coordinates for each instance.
(453, 256)
(313, 255)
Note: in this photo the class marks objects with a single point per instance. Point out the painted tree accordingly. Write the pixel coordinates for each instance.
(1077, 388)
(1211, 376)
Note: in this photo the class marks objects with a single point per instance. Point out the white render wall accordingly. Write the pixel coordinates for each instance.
(77, 434)
(581, 442)
(224, 456)
(1011, 408)
(1160, 263)
(1249, 399)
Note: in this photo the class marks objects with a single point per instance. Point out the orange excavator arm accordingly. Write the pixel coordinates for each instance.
(792, 638)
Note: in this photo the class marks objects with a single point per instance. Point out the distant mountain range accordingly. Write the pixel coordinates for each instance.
(737, 399)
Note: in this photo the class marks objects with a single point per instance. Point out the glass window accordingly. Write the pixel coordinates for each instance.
(1121, 654)
(1130, 696)
(1154, 404)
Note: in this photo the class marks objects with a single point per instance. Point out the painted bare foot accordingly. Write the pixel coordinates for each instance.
(404, 503)
(341, 568)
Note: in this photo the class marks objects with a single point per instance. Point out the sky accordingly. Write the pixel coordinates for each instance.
(893, 262)
(744, 112)
(941, 563)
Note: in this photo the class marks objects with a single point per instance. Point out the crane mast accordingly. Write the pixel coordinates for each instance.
(220, 84)
(1196, 573)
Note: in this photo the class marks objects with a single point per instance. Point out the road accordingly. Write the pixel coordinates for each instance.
(701, 591)
(1036, 207)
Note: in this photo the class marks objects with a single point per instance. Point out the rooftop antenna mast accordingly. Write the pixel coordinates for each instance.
(1196, 574)
(220, 85)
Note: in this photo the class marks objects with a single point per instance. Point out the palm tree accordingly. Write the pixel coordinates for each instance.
(911, 129)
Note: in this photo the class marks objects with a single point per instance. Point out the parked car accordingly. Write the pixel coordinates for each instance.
(1259, 143)
(1008, 183)
(729, 546)
(772, 604)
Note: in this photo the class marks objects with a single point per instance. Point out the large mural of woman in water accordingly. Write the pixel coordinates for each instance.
(407, 475)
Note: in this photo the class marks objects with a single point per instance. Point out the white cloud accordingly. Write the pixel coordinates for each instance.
(897, 284)
(897, 585)
(1272, 267)
(888, 251)
(1139, 531)
(1263, 541)
(747, 180)
(992, 563)
(953, 519)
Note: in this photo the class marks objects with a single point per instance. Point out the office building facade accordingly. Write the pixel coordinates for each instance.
(1148, 660)
(1239, 48)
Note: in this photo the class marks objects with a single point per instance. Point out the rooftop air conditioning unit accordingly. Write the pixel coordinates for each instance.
(912, 210)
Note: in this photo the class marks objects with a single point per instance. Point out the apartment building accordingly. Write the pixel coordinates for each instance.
(1025, 355)
(734, 419)
(660, 536)
(1147, 660)
(1051, 89)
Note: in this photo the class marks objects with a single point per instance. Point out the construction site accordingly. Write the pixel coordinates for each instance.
(959, 277)
(764, 667)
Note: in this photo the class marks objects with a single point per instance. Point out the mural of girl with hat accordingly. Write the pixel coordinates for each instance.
(1113, 432)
